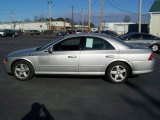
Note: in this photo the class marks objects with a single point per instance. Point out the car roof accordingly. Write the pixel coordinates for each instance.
(138, 33)
(88, 34)
(114, 41)
(132, 33)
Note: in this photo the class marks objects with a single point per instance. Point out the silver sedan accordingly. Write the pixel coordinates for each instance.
(81, 54)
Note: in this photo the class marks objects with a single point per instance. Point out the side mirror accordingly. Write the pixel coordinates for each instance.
(50, 50)
(128, 39)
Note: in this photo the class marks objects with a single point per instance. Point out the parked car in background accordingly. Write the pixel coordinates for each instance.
(35, 32)
(71, 32)
(61, 33)
(108, 32)
(8, 32)
(143, 39)
(11, 33)
(81, 54)
(78, 31)
(2, 33)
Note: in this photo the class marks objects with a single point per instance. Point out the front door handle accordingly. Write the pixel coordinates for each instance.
(110, 56)
(72, 56)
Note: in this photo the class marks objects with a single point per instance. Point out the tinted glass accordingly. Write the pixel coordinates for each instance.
(96, 44)
(151, 37)
(135, 36)
(72, 44)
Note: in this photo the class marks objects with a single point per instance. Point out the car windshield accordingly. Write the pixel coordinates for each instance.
(47, 45)
(122, 37)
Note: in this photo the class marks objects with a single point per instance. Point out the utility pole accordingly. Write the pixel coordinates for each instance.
(140, 16)
(101, 16)
(89, 15)
(11, 18)
(50, 12)
(82, 19)
(72, 16)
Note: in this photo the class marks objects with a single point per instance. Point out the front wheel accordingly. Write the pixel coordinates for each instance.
(117, 72)
(23, 70)
(13, 36)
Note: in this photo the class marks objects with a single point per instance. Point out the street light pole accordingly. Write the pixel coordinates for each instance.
(140, 15)
(89, 15)
(72, 17)
(11, 17)
(82, 19)
(101, 16)
(50, 12)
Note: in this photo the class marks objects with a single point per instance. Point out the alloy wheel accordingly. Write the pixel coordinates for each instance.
(118, 73)
(155, 48)
(22, 71)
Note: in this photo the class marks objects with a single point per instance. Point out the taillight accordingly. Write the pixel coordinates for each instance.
(151, 57)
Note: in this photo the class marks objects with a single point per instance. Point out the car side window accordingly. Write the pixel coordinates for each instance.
(134, 37)
(145, 37)
(91, 43)
(71, 44)
(151, 37)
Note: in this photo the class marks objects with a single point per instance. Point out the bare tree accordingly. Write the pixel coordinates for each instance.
(127, 18)
(27, 20)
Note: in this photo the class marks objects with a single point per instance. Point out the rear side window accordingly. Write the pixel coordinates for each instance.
(150, 37)
(93, 43)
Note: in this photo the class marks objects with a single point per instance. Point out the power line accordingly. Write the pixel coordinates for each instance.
(125, 11)
(120, 6)
(93, 3)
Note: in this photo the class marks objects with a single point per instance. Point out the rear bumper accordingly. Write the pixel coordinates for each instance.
(142, 67)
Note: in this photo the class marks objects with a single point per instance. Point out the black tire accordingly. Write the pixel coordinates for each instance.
(155, 48)
(117, 72)
(13, 36)
(23, 70)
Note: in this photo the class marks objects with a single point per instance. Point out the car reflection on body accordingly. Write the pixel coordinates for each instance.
(81, 54)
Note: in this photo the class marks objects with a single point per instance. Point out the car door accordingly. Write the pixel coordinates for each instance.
(147, 39)
(133, 39)
(95, 55)
(64, 58)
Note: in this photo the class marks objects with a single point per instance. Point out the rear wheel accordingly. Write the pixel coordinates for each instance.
(23, 70)
(155, 48)
(117, 72)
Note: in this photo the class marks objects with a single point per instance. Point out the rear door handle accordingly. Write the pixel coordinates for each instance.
(110, 56)
(72, 56)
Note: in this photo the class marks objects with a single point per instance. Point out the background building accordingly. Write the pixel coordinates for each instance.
(155, 18)
(40, 26)
(119, 27)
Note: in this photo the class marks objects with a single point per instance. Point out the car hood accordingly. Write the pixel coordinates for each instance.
(22, 52)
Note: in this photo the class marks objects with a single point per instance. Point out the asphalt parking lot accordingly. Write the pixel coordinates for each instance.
(74, 97)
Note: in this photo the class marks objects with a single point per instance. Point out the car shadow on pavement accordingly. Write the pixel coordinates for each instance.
(38, 112)
(149, 104)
